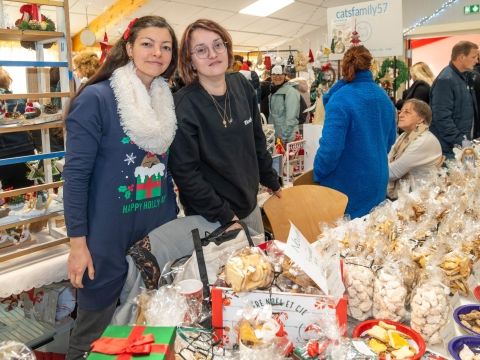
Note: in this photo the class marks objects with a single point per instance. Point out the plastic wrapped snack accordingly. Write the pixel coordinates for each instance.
(12, 350)
(261, 336)
(430, 306)
(165, 307)
(248, 269)
(457, 267)
(390, 293)
(359, 281)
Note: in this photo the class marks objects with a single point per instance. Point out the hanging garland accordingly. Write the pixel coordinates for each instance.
(402, 72)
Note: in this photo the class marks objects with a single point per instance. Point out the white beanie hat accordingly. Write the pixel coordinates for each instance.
(277, 70)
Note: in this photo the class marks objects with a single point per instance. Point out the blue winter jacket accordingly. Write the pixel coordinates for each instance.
(452, 108)
(358, 133)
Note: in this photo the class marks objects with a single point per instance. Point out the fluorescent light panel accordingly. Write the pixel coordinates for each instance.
(265, 7)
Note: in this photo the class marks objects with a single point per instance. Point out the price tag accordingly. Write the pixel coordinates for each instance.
(305, 256)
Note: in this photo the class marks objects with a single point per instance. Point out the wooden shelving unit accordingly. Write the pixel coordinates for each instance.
(29, 35)
(43, 123)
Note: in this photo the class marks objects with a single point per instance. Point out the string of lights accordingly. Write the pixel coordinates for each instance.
(426, 19)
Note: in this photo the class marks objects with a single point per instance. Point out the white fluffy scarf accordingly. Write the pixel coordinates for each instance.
(147, 117)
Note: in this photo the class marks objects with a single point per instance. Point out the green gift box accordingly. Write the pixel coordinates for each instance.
(140, 342)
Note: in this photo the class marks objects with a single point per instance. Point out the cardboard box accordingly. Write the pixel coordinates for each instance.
(162, 347)
(295, 311)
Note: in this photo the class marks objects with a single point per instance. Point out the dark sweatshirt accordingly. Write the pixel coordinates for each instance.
(115, 192)
(218, 169)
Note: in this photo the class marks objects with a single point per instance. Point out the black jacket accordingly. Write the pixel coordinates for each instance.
(451, 99)
(419, 90)
(218, 169)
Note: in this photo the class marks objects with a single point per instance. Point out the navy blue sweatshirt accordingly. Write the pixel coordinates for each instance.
(115, 193)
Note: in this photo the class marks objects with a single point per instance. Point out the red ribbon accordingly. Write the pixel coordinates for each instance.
(135, 344)
(126, 34)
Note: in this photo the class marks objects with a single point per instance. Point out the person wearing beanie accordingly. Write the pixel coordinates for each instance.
(284, 105)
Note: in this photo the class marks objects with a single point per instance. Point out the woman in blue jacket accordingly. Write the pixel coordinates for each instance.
(358, 133)
(117, 186)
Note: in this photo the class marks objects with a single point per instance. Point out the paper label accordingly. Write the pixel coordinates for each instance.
(476, 270)
(455, 300)
(448, 331)
(305, 256)
(472, 282)
(296, 312)
(334, 278)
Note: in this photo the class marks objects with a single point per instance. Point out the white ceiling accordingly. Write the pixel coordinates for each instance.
(248, 32)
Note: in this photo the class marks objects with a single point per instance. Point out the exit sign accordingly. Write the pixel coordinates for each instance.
(471, 9)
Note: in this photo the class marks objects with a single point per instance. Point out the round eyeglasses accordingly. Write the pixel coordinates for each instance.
(203, 51)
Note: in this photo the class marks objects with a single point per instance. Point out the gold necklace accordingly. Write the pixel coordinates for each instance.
(226, 117)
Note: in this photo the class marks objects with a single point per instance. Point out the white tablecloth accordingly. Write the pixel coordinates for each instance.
(33, 270)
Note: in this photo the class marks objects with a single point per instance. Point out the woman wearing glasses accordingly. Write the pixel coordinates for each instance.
(219, 156)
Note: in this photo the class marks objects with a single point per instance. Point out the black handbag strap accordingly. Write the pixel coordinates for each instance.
(218, 237)
(202, 268)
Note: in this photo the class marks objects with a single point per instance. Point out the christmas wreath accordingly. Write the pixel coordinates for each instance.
(45, 25)
(402, 72)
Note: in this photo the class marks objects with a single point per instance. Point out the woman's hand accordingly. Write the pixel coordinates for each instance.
(235, 226)
(277, 193)
(79, 259)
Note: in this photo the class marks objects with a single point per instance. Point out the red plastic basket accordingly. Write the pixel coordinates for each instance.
(362, 328)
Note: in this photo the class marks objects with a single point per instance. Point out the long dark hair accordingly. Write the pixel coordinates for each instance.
(118, 57)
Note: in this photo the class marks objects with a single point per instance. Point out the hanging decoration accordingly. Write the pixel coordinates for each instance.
(311, 59)
(105, 47)
(267, 60)
(426, 19)
(355, 38)
(301, 62)
(290, 67)
(388, 79)
(87, 36)
(259, 58)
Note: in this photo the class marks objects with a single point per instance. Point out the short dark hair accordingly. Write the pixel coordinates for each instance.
(185, 64)
(421, 108)
(462, 48)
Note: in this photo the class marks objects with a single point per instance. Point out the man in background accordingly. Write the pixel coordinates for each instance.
(452, 99)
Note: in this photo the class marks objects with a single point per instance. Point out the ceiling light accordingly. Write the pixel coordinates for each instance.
(265, 7)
